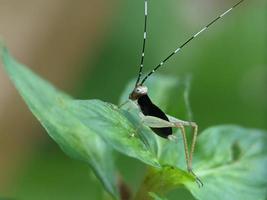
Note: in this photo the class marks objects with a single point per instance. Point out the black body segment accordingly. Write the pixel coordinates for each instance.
(150, 109)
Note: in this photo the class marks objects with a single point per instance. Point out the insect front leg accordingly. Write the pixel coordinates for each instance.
(123, 104)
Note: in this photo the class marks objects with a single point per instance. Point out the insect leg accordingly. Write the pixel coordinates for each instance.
(188, 164)
(123, 104)
(189, 157)
(195, 131)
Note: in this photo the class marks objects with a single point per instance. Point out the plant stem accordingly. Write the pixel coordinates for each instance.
(124, 189)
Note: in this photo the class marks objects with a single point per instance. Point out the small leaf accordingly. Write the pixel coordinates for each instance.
(231, 161)
(160, 181)
(52, 108)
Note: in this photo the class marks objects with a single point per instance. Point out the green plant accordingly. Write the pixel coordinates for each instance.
(229, 159)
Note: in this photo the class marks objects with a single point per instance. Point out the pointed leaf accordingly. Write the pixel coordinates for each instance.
(52, 108)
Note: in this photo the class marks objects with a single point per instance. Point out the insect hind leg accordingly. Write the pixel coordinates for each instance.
(176, 123)
(189, 157)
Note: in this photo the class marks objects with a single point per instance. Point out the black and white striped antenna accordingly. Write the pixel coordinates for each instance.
(143, 48)
(181, 46)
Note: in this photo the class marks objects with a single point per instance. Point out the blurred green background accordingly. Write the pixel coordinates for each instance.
(91, 49)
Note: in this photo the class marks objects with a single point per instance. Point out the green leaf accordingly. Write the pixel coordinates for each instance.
(52, 108)
(231, 161)
(160, 181)
(82, 128)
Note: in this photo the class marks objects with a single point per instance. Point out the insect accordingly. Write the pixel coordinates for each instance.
(153, 116)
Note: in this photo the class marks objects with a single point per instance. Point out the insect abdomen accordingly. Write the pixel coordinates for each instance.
(150, 109)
